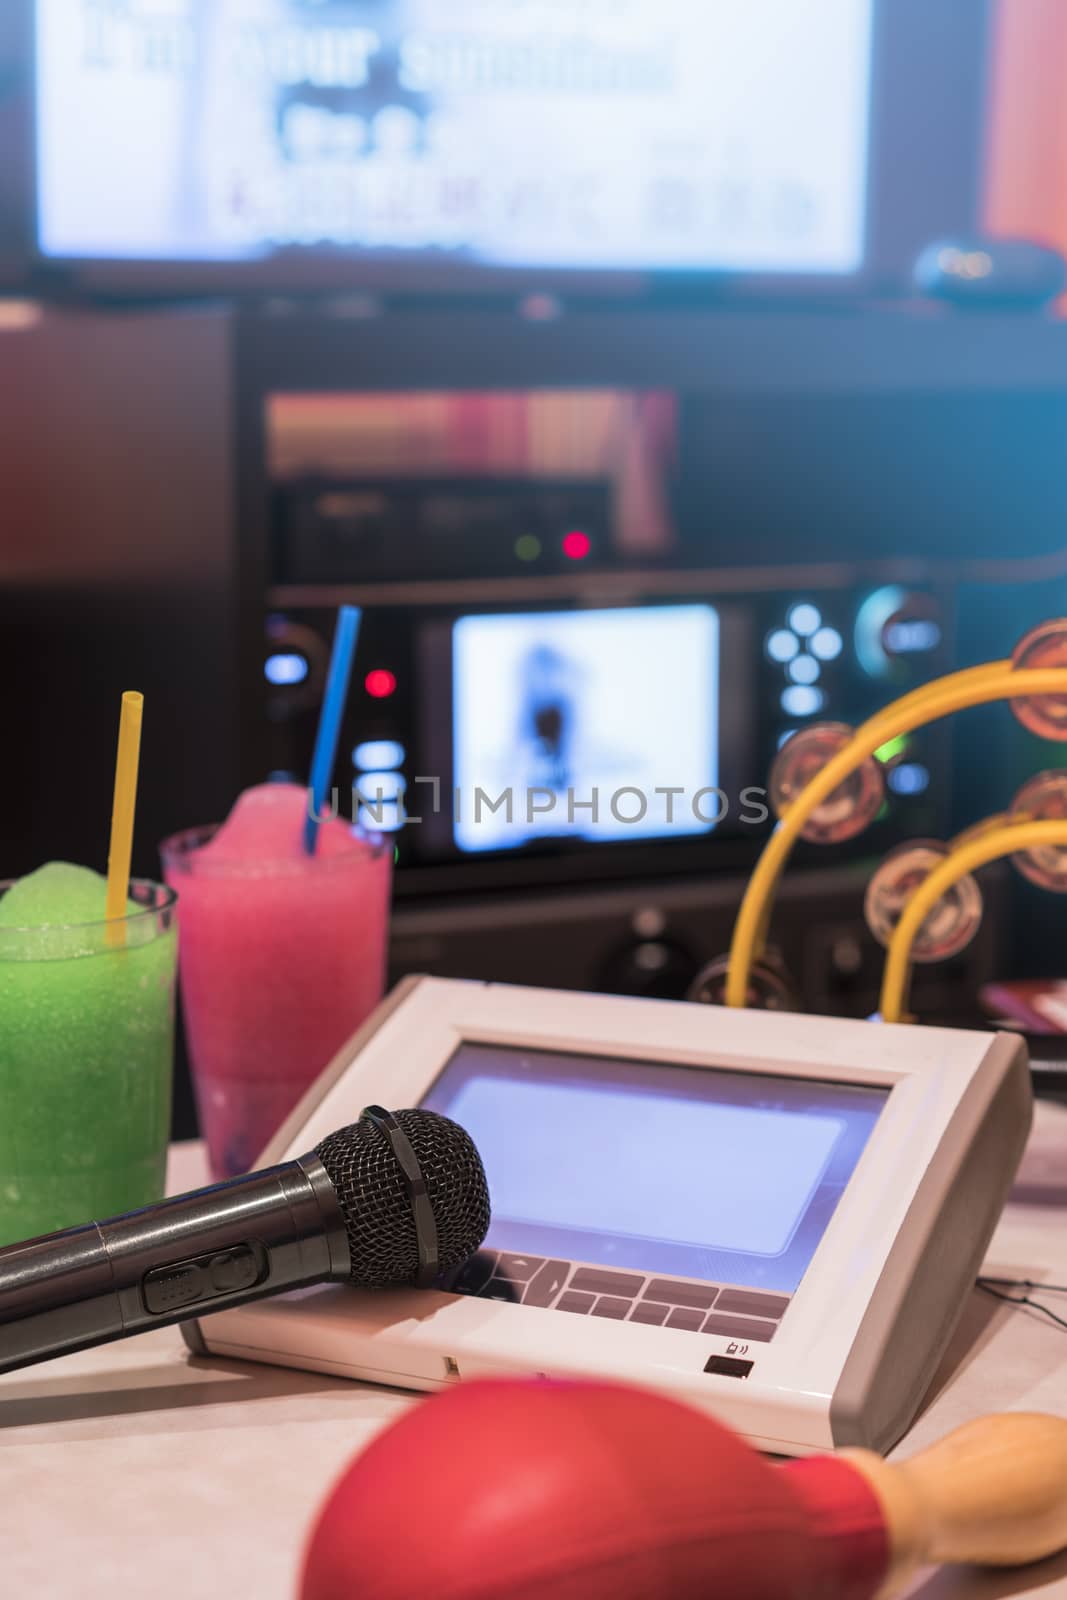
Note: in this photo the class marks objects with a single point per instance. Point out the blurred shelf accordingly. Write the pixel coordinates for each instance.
(869, 349)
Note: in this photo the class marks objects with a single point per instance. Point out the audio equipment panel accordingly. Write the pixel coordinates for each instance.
(630, 554)
(559, 732)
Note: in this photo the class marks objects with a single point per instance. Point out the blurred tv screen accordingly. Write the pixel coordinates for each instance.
(600, 135)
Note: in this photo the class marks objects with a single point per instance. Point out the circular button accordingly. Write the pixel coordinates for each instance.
(804, 619)
(897, 633)
(660, 967)
(782, 645)
(1043, 646)
(954, 920)
(1043, 799)
(769, 985)
(849, 808)
(648, 922)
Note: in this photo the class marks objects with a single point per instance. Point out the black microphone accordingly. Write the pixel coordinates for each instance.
(392, 1201)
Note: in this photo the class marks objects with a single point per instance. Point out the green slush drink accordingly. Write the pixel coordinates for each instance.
(86, 1049)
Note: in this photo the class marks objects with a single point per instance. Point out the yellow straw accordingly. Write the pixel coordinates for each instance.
(120, 850)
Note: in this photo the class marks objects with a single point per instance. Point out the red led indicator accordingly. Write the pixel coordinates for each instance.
(576, 545)
(380, 683)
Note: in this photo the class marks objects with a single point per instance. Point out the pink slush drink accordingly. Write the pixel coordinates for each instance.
(282, 957)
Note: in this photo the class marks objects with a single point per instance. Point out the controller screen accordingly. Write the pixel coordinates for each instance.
(725, 1176)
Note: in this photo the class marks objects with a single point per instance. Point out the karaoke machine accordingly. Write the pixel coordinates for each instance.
(518, 737)
(592, 613)
(574, 763)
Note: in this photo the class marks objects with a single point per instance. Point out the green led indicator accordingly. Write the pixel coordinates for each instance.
(528, 547)
(892, 748)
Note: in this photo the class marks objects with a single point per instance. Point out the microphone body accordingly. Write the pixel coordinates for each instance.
(390, 1202)
(196, 1253)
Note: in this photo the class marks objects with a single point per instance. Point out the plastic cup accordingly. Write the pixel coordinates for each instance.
(281, 963)
(86, 1059)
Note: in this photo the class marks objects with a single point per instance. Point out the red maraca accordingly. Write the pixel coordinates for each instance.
(580, 1491)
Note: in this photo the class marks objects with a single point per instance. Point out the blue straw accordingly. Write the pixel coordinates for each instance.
(344, 648)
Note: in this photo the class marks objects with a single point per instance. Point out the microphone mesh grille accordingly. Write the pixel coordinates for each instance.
(376, 1206)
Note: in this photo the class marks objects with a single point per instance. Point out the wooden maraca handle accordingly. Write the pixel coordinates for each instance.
(993, 1493)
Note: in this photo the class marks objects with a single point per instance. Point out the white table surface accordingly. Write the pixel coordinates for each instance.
(133, 1469)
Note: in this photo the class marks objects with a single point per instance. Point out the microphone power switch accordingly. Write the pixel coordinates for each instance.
(233, 1269)
(166, 1288)
(184, 1283)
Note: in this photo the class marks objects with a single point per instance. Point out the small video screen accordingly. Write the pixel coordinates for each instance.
(587, 725)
